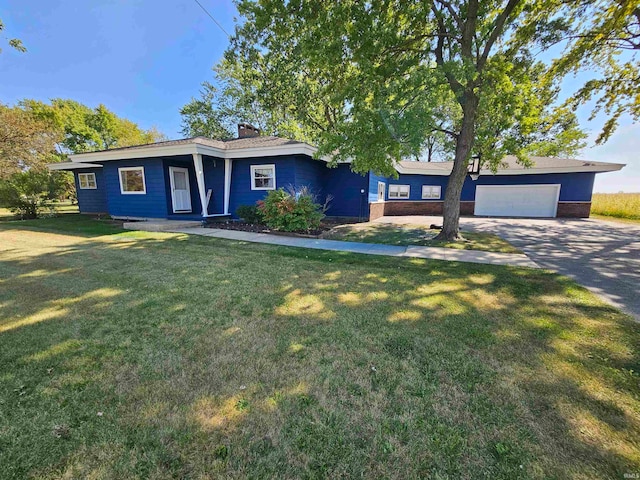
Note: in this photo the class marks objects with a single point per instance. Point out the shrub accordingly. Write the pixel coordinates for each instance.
(28, 193)
(249, 213)
(294, 211)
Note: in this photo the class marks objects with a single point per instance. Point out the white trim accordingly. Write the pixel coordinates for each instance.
(529, 185)
(197, 163)
(398, 187)
(228, 166)
(439, 187)
(131, 169)
(382, 191)
(253, 178)
(173, 193)
(445, 170)
(196, 148)
(72, 165)
(87, 175)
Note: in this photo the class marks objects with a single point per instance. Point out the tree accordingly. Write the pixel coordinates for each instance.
(372, 76)
(603, 36)
(25, 141)
(84, 129)
(14, 43)
(28, 193)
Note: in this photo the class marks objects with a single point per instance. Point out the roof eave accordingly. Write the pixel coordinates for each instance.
(71, 165)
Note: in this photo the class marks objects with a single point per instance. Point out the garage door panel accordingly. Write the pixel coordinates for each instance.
(517, 200)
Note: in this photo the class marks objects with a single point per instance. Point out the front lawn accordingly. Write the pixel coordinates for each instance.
(153, 355)
(416, 235)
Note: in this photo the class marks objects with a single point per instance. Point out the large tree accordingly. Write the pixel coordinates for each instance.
(372, 78)
(86, 129)
(25, 141)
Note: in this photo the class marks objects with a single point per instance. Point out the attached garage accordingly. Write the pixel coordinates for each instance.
(517, 200)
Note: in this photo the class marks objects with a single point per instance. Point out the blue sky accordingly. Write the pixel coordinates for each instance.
(145, 59)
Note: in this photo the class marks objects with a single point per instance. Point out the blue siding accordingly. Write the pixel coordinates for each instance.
(153, 204)
(346, 188)
(311, 173)
(373, 186)
(575, 187)
(415, 183)
(214, 181)
(92, 201)
(241, 193)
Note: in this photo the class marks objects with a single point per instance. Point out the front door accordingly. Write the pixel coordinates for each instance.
(180, 192)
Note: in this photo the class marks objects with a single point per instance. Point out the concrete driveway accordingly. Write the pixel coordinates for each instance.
(601, 255)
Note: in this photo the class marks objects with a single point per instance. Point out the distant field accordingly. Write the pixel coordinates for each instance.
(620, 205)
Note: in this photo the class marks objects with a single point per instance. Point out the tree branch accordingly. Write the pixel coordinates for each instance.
(497, 30)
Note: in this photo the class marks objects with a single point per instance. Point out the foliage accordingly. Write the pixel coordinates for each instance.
(14, 43)
(85, 129)
(28, 193)
(236, 95)
(249, 213)
(602, 37)
(291, 211)
(620, 205)
(375, 91)
(25, 141)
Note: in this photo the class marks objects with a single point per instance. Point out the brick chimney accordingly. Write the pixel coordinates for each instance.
(246, 130)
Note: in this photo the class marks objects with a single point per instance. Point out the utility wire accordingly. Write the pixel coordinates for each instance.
(211, 17)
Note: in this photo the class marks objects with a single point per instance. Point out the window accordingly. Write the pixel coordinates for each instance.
(399, 191)
(381, 186)
(263, 177)
(430, 191)
(132, 181)
(87, 181)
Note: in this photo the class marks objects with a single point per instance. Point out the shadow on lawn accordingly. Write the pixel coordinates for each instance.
(216, 357)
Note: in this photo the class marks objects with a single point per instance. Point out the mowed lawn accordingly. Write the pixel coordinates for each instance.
(148, 355)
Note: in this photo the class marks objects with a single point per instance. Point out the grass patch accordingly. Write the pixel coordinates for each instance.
(617, 205)
(416, 235)
(155, 355)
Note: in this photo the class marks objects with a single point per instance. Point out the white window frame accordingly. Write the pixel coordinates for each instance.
(395, 190)
(131, 169)
(381, 191)
(87, 177)
(261, 167)
(433, 189)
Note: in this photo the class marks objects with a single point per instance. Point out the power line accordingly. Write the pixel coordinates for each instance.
(211, 17)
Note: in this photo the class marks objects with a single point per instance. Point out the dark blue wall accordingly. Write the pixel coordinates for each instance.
(153, 204)
(241, 193)
(373, 186)
(345, 187)
(214, 180)
(92, 201)
(575, 187)
(311, 173)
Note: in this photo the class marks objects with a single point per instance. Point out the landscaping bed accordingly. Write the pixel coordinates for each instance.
(242, 226)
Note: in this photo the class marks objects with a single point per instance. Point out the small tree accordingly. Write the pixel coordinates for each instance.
(28, 193)
(293, 211)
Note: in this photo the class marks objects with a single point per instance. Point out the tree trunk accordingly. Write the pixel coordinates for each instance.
(464, 144)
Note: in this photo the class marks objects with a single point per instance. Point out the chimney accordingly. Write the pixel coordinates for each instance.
(246, 130)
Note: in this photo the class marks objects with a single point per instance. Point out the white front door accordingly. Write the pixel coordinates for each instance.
(180, 192)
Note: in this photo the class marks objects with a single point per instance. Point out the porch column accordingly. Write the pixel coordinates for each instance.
(227, 184)
(197, 163)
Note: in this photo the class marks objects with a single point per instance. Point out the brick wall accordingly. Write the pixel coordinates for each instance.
(404, 207)
(574, 209)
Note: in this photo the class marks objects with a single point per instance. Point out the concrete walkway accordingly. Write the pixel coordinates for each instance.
(437, 253)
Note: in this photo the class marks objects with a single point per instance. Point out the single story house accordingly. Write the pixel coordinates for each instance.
(200, 178)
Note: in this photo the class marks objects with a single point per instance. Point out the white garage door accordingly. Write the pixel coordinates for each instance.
(517, 200)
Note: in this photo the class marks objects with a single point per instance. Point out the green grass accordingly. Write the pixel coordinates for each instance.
(149, 355)
(616, 205)
(416, 235)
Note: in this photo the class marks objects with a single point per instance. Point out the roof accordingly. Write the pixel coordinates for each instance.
(510, 166)
(267, 146)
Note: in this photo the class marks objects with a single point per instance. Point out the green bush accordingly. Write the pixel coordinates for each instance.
(28, 193)
(249, 213)
(291, 211)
